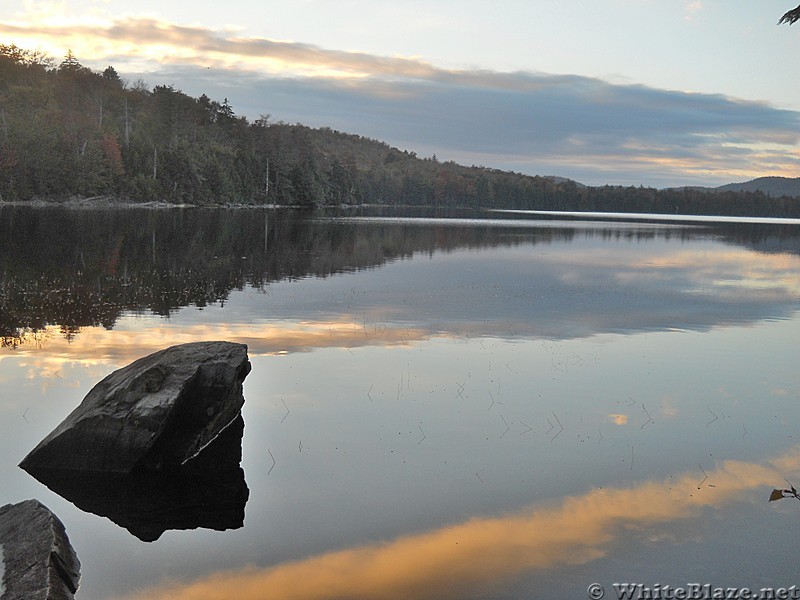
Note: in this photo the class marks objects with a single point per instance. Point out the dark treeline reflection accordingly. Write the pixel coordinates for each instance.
(78, 268)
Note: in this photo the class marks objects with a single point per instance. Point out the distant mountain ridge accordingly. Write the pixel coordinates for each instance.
(559, 180)
(771, 186)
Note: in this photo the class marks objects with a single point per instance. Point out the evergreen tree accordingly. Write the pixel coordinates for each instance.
(66, 130)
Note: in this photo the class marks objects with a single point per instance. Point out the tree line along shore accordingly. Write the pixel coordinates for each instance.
(68, 132)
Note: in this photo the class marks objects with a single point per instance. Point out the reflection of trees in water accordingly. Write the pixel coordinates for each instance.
(767, 239)
(79, 268)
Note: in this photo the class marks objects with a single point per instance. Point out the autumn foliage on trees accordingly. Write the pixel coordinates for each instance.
(67, 131)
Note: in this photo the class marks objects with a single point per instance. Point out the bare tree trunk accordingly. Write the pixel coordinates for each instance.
(127, 125)
(266, 185)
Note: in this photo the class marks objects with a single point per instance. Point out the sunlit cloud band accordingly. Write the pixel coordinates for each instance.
(570, 125)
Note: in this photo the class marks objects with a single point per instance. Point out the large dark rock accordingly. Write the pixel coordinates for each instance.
(38, 561)
(159, 411)
(209, 491)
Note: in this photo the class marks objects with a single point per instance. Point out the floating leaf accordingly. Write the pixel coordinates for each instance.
(776, 495)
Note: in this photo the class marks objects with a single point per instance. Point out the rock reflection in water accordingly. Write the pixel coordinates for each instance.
(207, 492)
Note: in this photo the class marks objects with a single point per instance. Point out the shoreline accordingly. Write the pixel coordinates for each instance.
(97, 202)
(112, 203)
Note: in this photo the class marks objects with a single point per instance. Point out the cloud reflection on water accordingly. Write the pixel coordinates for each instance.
(96, 345)
(436, 310)
(405, 277)
(456, 559)
(582, 289)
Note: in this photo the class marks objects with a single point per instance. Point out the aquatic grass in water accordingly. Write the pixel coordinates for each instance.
(535, 405)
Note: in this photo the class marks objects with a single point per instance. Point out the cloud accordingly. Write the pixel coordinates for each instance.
(456, 560)
(582, 127)
(165, 42)
(586, 128)
(691, 8)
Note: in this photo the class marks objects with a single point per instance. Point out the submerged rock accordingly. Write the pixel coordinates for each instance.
(209, 491)
(157, 412)
(39, 563)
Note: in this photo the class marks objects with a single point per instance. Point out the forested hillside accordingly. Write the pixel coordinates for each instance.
(67, 131)
(773, 186)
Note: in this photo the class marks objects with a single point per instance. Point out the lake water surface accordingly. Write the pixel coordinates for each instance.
(438, 408)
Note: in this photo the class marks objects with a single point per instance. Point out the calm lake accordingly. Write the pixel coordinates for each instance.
(486, 406)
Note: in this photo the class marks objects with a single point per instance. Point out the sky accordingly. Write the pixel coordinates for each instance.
(622, 92)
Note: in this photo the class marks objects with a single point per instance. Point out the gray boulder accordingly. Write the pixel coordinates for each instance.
(38, 562)
(159, 411)
(208, 491)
